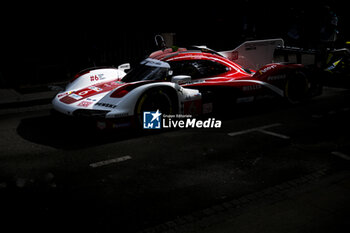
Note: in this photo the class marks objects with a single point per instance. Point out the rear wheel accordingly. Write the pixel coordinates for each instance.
(296, 88)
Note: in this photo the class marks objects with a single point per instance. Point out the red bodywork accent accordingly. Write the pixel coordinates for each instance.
(235, 77)
(90, 91)
(161, 54)
(193, 108)
(236, 72)
(125, 89)
(272, 69)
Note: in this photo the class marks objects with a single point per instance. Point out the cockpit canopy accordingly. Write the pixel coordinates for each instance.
(152, 69)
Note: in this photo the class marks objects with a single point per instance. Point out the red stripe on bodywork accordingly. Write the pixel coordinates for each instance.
(68, 100)
(90, 91)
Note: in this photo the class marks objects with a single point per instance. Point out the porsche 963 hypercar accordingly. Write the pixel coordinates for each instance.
(191, 81)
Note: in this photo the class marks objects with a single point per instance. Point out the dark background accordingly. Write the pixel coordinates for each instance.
(46, 181)
(50, 42)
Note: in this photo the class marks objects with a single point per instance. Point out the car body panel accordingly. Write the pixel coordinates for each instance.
(190, 75)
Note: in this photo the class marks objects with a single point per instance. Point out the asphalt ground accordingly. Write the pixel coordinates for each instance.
(59, 175)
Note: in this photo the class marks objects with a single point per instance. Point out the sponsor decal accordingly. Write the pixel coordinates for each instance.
(84, 92)
(157, 120)
(245, 99)
(262, 71)
(251, 87)
(97, 89)
(106, 105)
(85, 104)
(75, 96)
(88, 92)
(63, 94)
(277, 77)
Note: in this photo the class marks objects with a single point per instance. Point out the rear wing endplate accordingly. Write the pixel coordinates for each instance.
(254, 54)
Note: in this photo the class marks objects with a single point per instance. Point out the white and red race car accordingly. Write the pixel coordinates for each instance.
(179, 81)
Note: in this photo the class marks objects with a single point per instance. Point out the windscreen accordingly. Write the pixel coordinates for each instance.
(149, 69)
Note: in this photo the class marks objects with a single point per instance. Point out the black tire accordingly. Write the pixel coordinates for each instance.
(153, 100)
(297, 87)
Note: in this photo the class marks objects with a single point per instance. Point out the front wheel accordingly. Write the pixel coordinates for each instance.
(153, 100)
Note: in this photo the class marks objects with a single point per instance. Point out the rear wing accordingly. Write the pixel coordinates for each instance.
(254, 54)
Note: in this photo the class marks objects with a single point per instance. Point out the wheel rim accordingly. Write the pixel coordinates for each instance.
(153, 101)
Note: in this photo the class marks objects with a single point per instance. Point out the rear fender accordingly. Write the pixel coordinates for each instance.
(275, 71)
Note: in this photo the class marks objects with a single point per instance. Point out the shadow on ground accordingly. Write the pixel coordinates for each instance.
(69, 133)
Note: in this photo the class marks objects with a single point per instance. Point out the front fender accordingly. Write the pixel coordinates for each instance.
(127, 103)
(94, 76)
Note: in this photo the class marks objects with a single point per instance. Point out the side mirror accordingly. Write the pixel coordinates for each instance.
(181, 79)
(125, 66)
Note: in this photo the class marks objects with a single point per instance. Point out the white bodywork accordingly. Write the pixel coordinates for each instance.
(94, 80)
(94, 77)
